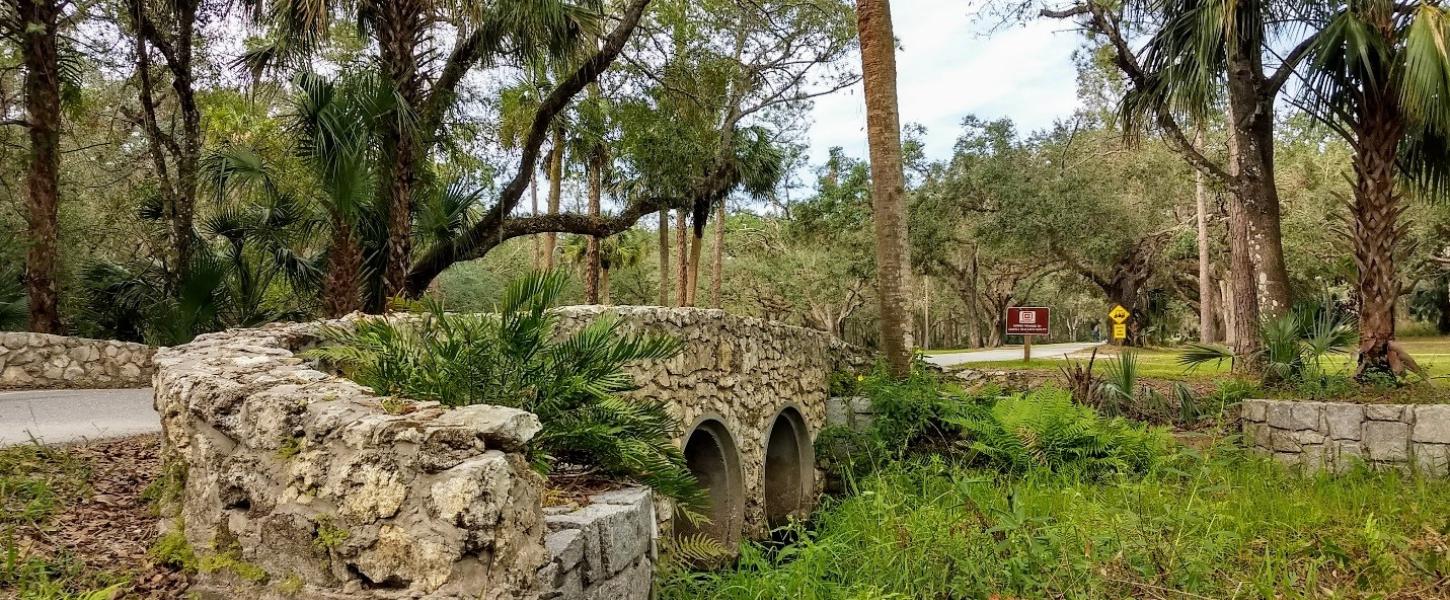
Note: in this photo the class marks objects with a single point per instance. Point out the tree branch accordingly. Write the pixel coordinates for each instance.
(473, 243)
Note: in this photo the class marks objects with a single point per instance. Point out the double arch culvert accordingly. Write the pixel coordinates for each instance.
(787, 488)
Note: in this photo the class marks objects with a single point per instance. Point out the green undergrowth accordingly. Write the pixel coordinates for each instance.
(1218, 525)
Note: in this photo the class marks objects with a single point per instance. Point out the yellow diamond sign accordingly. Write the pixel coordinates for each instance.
(1119, 314)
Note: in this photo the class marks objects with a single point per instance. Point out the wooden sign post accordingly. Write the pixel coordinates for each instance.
(1028, 321)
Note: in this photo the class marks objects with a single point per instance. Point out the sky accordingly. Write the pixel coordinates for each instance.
(951, 63)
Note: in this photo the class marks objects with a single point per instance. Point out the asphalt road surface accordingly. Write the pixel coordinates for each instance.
(1039, 352)
(64, 416)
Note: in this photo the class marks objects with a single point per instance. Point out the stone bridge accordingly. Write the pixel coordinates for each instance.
(305, 483)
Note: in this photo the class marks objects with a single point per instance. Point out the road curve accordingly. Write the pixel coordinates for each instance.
(65, 416)
(1039, 352)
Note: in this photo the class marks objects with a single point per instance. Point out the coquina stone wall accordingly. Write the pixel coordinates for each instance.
(741, 371)
(1337, 436)
(299, 484)
(41, 361)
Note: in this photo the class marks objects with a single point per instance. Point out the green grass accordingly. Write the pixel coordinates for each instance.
(1225, 526)
(1162, 363)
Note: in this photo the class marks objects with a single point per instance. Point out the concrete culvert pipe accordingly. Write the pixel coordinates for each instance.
(789, 468)
(713, 457)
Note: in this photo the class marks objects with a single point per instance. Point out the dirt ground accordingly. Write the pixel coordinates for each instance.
(109, 527)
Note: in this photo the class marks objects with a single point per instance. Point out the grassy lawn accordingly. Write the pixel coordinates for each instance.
(1225, 525)
(1162, 363)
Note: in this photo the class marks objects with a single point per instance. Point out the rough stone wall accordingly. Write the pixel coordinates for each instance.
(740, 370)
(1336, 436)
(603, 551)
(42, 361)
(299, 484)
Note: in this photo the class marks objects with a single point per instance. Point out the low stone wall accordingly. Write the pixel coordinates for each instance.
(1336, 435)
(853, 412)
(603, 551)
(41, 361)
(299, 484)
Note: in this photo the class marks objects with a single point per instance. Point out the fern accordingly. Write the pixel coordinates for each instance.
(516, 358)
(1047, 430)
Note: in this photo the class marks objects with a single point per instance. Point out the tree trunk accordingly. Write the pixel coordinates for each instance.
(1376, 234)
(604, 286)
(665, 258)
(971, 298)
(39, 39)
(1207, 329)
(1442, 301)
(399, 31)
(718, 256)
(888, 181)
(591, 248)
(537, 244)
(682, 248)
(1259, 277)
(701, 214)
(342, 293)
(556, 191)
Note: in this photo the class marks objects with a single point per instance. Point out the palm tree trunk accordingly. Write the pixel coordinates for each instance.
(698, 220)
(1207, 289)
(342, 293)
(664, 257)
(888, 180)
(556, 190)
(591, 248)
(42, 104)
(399, 31)
(718, 257)
(1376, 233)
(1442, 302)
(682, 248)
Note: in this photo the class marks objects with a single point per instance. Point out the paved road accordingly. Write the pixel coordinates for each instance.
(1044, 351)
(60, 416)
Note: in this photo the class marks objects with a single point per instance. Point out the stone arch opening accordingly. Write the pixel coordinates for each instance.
(711, 454)
(789, 468)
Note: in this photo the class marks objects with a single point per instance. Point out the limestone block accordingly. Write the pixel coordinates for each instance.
(1386, 440)
(1254, 410)
(1282, 440)
(1432, 459)
(1432, 424)
(566, 548)
(1280, 415)
(1306, 415)
(1344, 420)
(1384, 412)
(499, 426)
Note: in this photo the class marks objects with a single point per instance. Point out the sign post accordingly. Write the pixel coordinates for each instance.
(1120, 316)
(1028, 321)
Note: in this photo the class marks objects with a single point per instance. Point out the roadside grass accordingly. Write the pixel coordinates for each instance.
(36, 483)
(1432, 353)
(1224, 524)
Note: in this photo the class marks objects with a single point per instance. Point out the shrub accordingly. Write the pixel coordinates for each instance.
(845, 453)
(910, 412)
(1047, 430)
(515, 358)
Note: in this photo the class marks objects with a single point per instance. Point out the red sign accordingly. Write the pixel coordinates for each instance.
(1028, 320)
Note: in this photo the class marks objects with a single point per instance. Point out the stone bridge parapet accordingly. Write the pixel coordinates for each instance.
(295, 483)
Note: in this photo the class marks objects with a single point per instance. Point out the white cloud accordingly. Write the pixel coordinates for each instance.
(950, 65)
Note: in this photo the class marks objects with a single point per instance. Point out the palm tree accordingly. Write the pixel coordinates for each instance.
(1203, 58)
(334, 125)
(888, 180)
(1379, 75)
(620, 251)
(402, 31)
